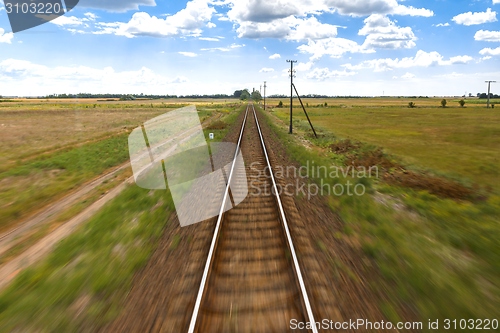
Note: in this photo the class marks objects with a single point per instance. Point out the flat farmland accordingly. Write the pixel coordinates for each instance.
(130, 223)
(430, 221)
(49, 147)
(32, 127)
(458, 142)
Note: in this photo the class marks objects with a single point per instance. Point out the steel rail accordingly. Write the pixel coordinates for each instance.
(204, 278)
(298, 274)
(288, 235)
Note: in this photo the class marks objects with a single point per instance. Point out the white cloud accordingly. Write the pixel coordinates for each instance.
(460, 60)
(496, 2)
(211, 25)
(290, 28)
(303, 66)
(381, 32)
(333, 47)
(38, 79)
(76, 31)
(297, 20)
(116, 5)
(268, 11)
(408, 76)
(275, 56)
(368, 7)
(421, 59)
(488, 36)
(224, 49)
(67, 20)
(471, 18)
(490, 52)
(188, 54)
(276, 29)
(262, 11)
(22, 69)
(6, 37)
(325, 73)
(412, 11)
(311, 28)
(442, 25)
(179, 79)
(266, 70)
(210, 39)
(91, 16)
(186, 22)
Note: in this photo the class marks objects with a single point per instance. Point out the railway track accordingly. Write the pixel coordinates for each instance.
(252, 281)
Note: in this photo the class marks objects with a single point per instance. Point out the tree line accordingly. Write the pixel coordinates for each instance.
(485, 95)
(137, 96)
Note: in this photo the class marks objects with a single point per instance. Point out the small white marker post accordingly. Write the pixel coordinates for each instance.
(211, 136)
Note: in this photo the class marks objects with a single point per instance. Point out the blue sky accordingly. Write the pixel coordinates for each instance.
(343, 47)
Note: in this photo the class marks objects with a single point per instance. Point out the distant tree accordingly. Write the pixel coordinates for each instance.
(256, 96)
(443, 103)
(461, 102)
(126, 98)
(245, 95)
(326, 104)
(411, 105)
(485, 95)
(280, 104)
(237, 93)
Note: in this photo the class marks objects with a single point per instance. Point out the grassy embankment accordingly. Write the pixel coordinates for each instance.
(431, 221)
(86, 277)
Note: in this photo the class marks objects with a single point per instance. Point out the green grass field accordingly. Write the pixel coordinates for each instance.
(49, 148)
(460, 142)
(85, 279)
(96, 264)
(436, 255)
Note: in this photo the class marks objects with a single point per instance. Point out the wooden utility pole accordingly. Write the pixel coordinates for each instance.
(489, 83)
(291, 92)
(265, 95)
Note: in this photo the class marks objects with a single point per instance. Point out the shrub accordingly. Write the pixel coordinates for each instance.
(412, 105)
(443, 103)
(217, 125)
(461, 102)
(280, 104)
